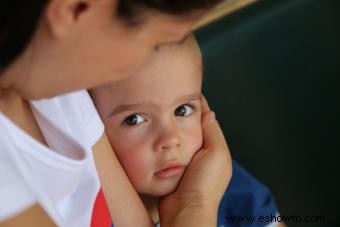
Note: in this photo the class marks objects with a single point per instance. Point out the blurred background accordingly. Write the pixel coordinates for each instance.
(272, 75)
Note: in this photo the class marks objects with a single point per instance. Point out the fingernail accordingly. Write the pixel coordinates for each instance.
(205, 100)
(212, 116)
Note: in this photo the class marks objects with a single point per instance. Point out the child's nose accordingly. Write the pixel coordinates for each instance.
(167, 140)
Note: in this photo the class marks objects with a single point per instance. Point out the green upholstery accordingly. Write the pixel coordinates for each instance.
(272, 74)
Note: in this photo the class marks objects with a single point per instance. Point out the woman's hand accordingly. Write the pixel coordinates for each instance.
(196, 199)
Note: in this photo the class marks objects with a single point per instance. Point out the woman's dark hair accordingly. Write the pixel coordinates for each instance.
(130, 10)
(19, 18)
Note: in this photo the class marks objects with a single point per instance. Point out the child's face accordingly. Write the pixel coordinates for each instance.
(153, 120)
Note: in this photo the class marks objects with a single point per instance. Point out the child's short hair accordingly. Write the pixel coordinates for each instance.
(190, 44)
(193, 46)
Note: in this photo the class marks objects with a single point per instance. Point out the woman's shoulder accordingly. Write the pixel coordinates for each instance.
(75, 112)
(26, 166)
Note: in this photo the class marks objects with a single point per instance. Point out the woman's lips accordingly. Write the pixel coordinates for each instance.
(171, 171)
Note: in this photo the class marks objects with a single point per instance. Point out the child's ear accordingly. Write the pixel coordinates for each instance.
(62, 16)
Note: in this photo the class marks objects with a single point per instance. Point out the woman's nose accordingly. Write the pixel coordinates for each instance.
(168, 139)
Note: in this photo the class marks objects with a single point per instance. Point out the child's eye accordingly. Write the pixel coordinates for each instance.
(134, 119)
(184, 110)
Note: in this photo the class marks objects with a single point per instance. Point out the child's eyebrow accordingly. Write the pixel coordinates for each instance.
(122, 108)
(141, 105)
(191, 97)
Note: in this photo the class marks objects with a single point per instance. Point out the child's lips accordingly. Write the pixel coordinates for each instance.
(171, 170)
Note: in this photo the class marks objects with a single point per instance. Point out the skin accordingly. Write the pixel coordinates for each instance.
(142, 124)
(74, 46)
(199, 208)
(151, 129)
(71, 45)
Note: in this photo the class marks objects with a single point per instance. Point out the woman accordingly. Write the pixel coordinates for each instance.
(49, 146)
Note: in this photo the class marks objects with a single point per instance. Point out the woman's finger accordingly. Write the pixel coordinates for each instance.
(204, 105)
(212, 133)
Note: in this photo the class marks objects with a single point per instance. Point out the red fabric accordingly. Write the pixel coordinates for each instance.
(101, 216)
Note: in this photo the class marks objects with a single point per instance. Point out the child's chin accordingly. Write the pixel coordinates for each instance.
(163, 191)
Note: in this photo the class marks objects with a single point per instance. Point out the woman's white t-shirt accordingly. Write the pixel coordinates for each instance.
(61, 177)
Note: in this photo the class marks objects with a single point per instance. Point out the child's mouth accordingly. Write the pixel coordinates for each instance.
(171, 171)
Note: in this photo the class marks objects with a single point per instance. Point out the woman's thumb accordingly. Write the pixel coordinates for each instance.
(212, 133)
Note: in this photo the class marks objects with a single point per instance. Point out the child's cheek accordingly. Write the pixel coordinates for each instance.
(134, 157)
(196, 140)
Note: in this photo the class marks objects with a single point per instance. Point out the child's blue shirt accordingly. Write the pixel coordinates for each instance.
(246, 202)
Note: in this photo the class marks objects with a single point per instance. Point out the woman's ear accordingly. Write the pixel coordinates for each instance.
(62, 16)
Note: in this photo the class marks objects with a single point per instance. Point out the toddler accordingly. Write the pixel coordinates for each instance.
(153, 122)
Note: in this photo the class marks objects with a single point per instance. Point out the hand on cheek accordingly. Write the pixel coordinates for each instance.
(207, 176)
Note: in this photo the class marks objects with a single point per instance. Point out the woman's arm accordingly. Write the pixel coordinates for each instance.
(195, 202)
(33, 216)
(124, 204)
